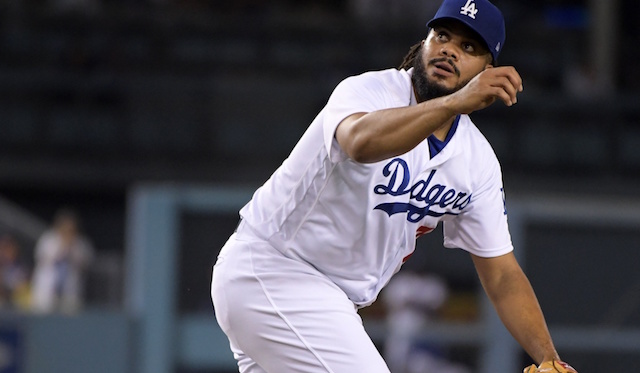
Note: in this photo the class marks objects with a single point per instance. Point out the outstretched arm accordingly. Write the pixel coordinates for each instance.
(515, 301)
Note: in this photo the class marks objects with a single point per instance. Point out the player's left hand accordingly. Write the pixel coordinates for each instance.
(554, 366)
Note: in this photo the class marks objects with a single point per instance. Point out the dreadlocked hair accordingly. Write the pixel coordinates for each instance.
(407, 62)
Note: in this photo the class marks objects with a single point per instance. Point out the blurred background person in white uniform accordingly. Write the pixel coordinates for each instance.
(62, 255)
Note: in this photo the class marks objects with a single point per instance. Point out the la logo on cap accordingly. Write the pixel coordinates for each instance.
(469, 9)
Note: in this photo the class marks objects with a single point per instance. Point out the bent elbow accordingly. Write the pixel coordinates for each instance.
(355, 138)
(358, 148)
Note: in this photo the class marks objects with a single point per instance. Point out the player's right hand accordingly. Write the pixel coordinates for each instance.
(554, 366)
(494, 83)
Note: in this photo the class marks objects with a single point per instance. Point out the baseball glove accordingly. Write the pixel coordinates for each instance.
(554, 366)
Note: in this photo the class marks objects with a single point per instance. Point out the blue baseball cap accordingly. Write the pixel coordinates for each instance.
(481, 16)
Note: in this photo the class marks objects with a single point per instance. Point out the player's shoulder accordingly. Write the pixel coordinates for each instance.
(391, 76)
(394, 81)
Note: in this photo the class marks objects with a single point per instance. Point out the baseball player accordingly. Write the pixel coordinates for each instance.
(391, 155)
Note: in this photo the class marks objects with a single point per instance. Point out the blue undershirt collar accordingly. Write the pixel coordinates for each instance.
(435, 145)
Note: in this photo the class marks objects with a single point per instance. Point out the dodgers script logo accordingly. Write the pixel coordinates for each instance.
(424, 199)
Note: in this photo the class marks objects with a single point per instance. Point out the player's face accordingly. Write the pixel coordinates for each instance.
(451, 56)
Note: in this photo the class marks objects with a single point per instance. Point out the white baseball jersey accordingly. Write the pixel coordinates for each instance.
(357, 223)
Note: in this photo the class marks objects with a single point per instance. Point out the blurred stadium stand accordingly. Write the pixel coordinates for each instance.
(97, 97)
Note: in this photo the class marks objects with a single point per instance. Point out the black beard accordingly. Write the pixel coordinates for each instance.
(423, 87)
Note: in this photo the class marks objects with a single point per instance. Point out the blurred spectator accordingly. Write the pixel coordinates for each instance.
(62, 255)
(14, 277)
(412, 301)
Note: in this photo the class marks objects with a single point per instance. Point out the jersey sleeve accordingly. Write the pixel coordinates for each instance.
(363, 93)
(483, 229)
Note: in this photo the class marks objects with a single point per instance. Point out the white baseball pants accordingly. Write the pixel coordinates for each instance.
(281, 315)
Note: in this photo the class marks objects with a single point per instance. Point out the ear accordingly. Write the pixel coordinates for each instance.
(489, 60)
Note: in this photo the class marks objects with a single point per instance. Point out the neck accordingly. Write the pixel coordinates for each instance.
(442, 132)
